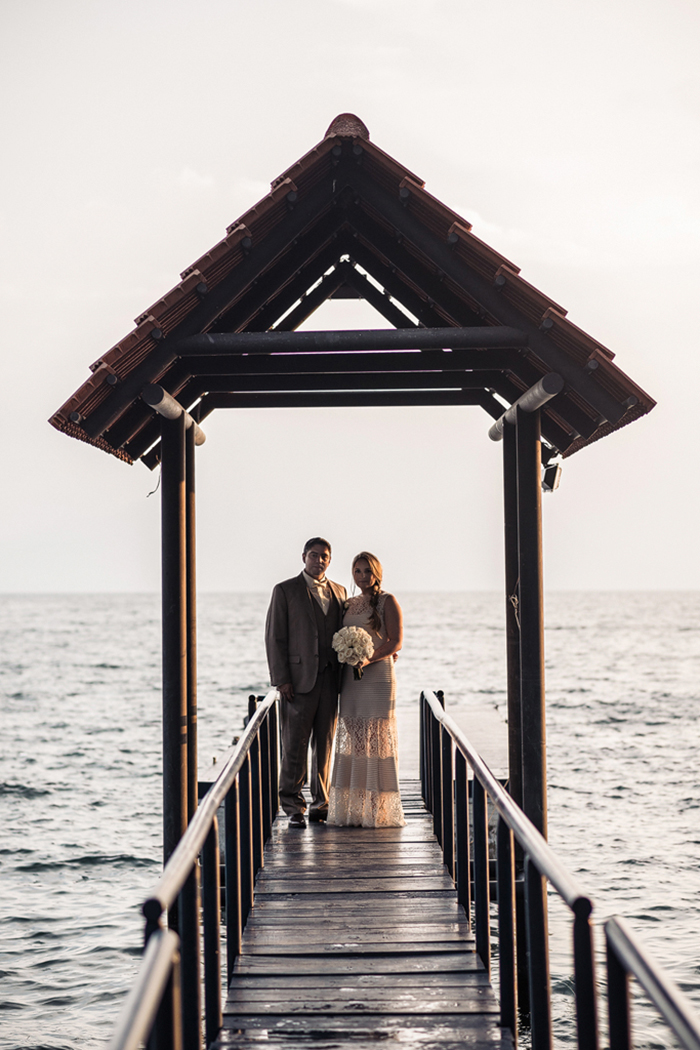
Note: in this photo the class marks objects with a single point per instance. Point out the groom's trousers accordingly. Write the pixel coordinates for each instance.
(308, 718)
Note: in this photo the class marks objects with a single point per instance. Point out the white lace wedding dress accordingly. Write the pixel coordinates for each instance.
(365, 783)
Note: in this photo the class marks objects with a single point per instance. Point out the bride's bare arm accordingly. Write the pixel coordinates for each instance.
(393, 622)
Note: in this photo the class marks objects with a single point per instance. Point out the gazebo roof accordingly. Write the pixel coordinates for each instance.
(348, 220)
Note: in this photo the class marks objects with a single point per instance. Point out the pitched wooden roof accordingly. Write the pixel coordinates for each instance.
(347, 219)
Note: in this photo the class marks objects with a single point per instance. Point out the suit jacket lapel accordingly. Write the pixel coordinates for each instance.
(335, 587)
(306, 598)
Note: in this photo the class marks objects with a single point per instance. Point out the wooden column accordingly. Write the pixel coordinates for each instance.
(191, 614)
(512, 582)
(173, 526)
(532, 709)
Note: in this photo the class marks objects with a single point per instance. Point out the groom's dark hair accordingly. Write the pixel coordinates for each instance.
(312, 543)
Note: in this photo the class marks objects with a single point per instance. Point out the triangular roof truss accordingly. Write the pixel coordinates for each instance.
(348, 221)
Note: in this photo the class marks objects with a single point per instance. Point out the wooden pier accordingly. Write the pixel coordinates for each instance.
(356, 937)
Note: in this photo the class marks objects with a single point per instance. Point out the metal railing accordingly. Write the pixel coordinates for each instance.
(626, 957)
(164, 1007)
(445, 755)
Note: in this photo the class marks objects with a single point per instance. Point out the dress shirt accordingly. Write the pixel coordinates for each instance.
(320, 590)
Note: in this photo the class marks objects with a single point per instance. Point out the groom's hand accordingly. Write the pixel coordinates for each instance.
(286, 691)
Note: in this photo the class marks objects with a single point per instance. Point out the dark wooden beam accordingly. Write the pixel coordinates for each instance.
(380, 361)
(311, 301)
(305, 260)
(569, 413)
(287, 295)
(356, 399)
(376, 298)
(266, 368)
(481, 291)
(392, 280)
(484, 338)
(261, 257)
(556, 435)
(481, 398)
(352, 381)
(414, 270)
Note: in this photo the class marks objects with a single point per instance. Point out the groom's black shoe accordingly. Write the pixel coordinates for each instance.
(297, 820)
(318, 816)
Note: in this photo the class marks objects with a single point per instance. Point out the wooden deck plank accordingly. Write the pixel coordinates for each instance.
(428, 962)
(356, 936)
(445, 982)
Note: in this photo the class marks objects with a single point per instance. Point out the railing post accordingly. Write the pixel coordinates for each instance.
(505, 874)
(447, 790)
(538, 958)
(266, 783)
(256, 806)
(211, 914)
(190, 961)
(427, 798)
(246, 840)
(166, 1033)
(481, 874)
(436, 778)
(584, 970)
(619, 1020)
(464, 891)
(421, 743)
(232, 848)
(274, 761)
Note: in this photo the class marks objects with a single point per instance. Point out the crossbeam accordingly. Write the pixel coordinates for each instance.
(342, 399)
(349, 362)
(487, 337)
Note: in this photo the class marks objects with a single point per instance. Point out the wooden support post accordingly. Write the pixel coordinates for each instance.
(512, 582)
(174, 599)
(191, 571)
(531, 619)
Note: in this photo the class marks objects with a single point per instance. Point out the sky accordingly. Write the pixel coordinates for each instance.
(134, 133)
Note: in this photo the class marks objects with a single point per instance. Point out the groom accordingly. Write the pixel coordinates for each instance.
(304, 614)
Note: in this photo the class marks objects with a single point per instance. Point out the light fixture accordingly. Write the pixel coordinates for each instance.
(550, 477)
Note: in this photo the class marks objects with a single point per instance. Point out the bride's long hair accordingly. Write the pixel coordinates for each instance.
(375, 567)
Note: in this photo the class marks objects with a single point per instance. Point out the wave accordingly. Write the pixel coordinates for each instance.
(90, 860)
(23, 790)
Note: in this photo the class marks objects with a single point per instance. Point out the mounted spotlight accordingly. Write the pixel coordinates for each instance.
(551, 476)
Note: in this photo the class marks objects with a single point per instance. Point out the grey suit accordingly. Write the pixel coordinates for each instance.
(297, 638)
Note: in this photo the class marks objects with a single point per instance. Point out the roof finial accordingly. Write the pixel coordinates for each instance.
(348, 124)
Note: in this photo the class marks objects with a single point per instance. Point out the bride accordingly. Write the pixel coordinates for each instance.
(365, 783)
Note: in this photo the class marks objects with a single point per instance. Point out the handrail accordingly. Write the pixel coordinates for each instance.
(190, 845)
(141, 1006)
(674, 1007)
(444, 754)
(532, 841)
(165, 1004)
(524, 977)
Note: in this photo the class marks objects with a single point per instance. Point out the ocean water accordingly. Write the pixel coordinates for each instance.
(80, 790)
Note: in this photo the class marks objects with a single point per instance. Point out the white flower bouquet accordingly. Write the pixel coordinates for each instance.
(353, 645)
